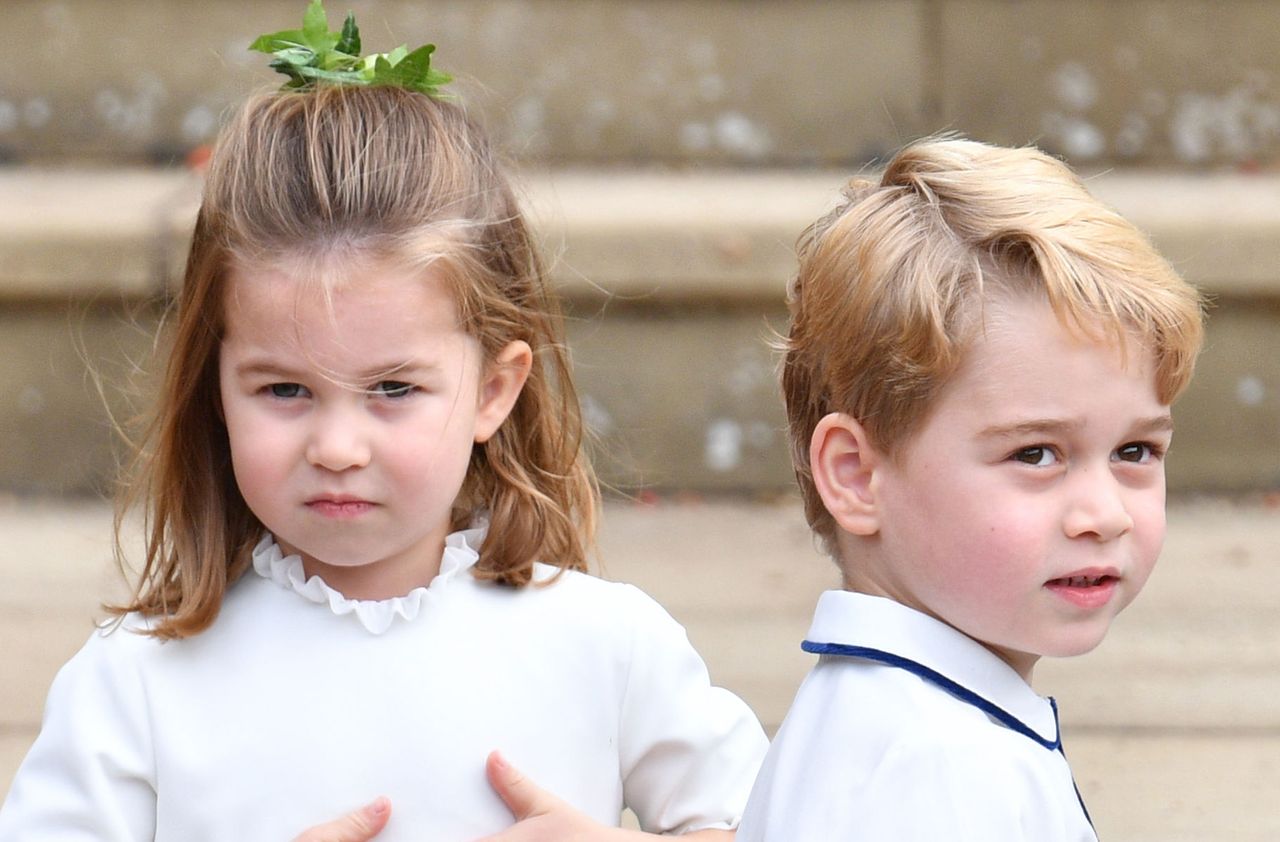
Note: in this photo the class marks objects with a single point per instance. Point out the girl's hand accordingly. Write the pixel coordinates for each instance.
(541, 817)
(357, 826)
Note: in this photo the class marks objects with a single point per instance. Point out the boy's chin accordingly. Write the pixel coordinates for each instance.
(1024, 661)
(1075, 646)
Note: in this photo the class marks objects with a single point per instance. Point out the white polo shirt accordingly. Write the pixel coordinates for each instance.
(907, 729)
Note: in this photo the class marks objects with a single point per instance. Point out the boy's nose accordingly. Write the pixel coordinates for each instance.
(1097, 507)
(336, 443)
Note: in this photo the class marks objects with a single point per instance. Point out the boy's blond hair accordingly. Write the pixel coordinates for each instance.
(891, 286)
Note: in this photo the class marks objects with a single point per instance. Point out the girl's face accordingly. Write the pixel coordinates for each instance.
(351, 417)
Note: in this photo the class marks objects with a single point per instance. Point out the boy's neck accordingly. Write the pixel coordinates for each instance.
(1023, 663)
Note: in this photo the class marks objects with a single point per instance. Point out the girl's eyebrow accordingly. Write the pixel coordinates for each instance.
(414, 369)
(264, 368)
(269, 368)
(411, 366)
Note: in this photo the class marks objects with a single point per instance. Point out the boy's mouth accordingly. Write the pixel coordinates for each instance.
(1082, 581)
(1086, 588)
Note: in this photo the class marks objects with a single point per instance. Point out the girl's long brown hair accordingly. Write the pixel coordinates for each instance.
(391, 174)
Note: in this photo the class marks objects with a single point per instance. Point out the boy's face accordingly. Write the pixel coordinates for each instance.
(1028, 510)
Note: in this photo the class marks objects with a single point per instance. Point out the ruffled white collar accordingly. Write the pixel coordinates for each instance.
(461, 552)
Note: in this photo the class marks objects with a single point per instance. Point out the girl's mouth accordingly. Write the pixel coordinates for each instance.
(334, 507)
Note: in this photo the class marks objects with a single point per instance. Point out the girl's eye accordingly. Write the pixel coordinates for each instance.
(1138, 451)
(287, 390)
(393, 389)
(1038, 456)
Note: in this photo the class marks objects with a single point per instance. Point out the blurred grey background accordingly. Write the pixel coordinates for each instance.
(1173, 83)
(670, 152)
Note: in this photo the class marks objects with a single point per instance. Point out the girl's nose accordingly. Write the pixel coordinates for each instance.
(337, 443)
(1097, 507)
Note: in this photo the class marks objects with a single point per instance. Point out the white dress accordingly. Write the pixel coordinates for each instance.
(299, 704)
(908, 731)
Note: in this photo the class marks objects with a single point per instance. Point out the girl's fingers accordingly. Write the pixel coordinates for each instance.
(523, 797)
(357, 826)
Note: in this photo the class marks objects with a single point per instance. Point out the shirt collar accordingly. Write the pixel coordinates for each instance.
(461, 552)
(851, 619)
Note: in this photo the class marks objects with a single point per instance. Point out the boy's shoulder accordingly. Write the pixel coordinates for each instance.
(916, 684)
(906, 729)
(872, 751)
(890, 711)
(899, 773)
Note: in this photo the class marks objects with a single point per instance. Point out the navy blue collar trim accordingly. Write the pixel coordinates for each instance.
(959, 691)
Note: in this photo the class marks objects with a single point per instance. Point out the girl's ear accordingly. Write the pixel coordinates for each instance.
(844, 466)
(503, 379)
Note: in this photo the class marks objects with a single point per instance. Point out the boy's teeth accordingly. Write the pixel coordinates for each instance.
(1083, 581)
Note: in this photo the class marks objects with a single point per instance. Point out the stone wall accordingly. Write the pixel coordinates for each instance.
(1187, 83)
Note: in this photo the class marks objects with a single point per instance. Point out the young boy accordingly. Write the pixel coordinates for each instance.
(978, 379)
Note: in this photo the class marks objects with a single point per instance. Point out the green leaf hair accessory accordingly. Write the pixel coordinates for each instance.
(313, 54)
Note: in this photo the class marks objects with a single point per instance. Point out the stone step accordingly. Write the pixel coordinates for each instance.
(673, 284)
(1171, 724)
(686, 81)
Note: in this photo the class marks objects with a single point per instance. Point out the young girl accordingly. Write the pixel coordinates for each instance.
(366, 513)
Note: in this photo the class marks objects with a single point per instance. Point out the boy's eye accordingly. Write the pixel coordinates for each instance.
(392, 389)
(1137, 451)
(287, 390)
(1039, 456)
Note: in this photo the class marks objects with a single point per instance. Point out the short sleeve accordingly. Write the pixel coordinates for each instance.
(90, 773)
(689, 751)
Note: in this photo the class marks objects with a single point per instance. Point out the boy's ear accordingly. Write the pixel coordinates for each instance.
(503, 378)
(844, 465)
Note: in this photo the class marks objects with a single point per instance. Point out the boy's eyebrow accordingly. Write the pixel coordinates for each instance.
(1162, 423)
(1033, 427)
